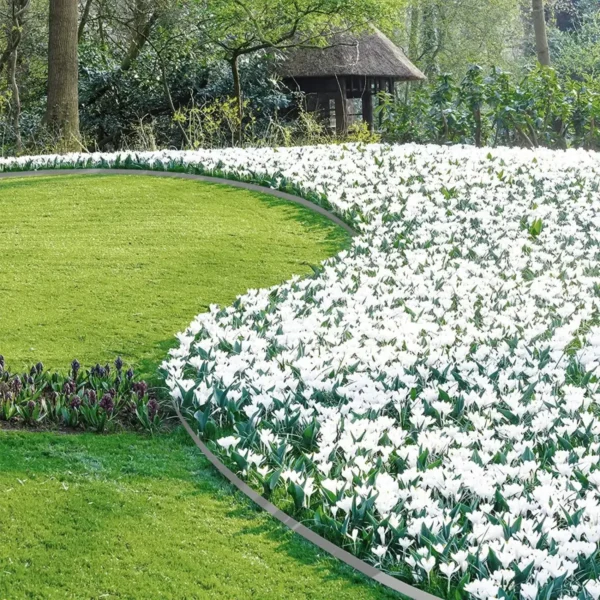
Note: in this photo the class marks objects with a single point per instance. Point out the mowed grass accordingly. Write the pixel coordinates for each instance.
(125, 516)
(92, 267)
(98, 266)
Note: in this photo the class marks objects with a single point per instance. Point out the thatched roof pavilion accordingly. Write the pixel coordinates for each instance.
(347, 73)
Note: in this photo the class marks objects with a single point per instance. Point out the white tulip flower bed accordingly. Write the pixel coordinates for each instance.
(430, 398)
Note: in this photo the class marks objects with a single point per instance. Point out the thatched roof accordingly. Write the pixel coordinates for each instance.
(371, 54)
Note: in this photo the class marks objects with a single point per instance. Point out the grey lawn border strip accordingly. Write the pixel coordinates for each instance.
(205, 178)
(291, 523)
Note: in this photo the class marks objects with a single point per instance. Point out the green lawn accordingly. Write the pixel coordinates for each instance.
(125, 516)
(95, 266)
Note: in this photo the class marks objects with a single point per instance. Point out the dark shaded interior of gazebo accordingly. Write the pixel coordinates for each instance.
(340, 100)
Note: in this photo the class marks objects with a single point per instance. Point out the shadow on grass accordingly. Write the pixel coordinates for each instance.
(144, 465)
(304, 552)
(336, 238)
(148, 368)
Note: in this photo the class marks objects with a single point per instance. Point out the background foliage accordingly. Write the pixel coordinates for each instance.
(491, 108)
(158, 73)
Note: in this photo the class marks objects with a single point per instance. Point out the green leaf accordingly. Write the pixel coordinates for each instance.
(297, 494)
(274, 479)
(493, 562)
(240, 461)
(523, 576)
(536, 228)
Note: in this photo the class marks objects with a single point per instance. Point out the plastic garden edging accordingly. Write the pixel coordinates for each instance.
(356, 563)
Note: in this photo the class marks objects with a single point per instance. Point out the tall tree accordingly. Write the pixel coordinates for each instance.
(62, 110)
(446, 37)
(85, 15)
(145, 16)
(541, 37)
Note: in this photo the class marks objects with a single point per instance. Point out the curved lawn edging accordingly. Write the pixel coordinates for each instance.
(204, 178)
(314, 538)
(172, 162)
(423, 396)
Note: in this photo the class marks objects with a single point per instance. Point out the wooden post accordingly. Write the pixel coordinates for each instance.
(324, 109)
(341, 108)
(367, 107)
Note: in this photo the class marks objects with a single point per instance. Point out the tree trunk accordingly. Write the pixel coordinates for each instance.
(62, 112)
(84, 19)
(477, 118)
(541, 38)
(429, 40)
(14, 33)
(15, 100)
(13, 30)
(413, 43)
(413, 37)
(138, 41)
(237, 94)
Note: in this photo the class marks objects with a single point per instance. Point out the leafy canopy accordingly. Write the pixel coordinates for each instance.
(244, 26)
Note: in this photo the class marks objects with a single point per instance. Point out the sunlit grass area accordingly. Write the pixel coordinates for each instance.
(92, 267)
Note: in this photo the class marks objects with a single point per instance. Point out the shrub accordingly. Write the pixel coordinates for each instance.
(541, 109)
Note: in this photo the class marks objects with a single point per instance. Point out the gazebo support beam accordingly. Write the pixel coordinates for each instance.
(341, 108)
(367, 109)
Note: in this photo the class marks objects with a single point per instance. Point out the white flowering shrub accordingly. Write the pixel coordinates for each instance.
(429, 399)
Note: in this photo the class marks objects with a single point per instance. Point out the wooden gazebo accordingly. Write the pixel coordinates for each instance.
(340, 81)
